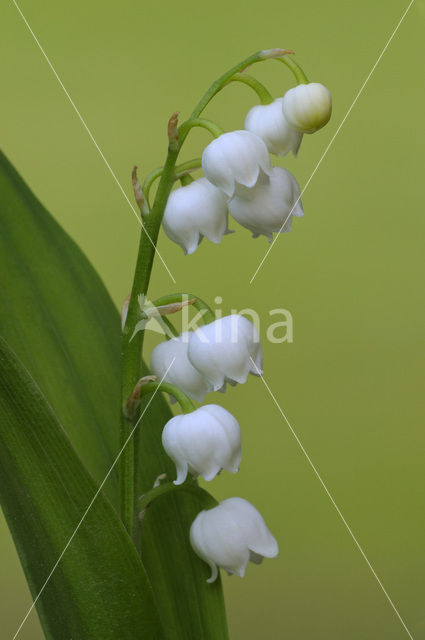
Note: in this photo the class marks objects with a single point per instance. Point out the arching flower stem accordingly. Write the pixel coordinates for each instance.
(299, 74)
(186, 179)
(262, 92)
(187, 167)
(190, 486)
(146, 386)
(131, 351)
(180, 170)
(209, 125)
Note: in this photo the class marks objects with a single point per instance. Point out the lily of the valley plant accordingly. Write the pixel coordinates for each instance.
(100, 485)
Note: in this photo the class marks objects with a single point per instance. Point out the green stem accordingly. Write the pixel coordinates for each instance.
(209, 125)
(184, 401)
(261, 91)
(171, 328)
(149, 180)
(169, 487)
(222, 81)
(207, 313)
(187, 167)
(181, 169)
(186, 179)
(299, 74)
(131, 352)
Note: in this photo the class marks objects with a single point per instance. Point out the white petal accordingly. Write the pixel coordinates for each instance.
(195, 211)
(235, 157)
(181, 374)
(269, 123)
(223, 349)
(230, 535)
(204, 441)
(257, 536)
(270, 206)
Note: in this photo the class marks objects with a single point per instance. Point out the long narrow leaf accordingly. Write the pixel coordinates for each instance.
(99, 590)
(58, 318)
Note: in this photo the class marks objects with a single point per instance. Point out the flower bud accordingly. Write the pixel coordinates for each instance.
(307, 107)
(199, 209)
(268, 207)
(235, 157)
(269, 123)
(203, 442)
(181, 373)
(230, 535)
(226, 350)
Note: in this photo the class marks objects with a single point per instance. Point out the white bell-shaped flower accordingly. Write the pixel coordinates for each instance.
(230, 535)
(203, 442)
(268, 122)
(307, 107)
(268, 207)
(236, 157)
(196, 210)
(169, 358)
(226, 350)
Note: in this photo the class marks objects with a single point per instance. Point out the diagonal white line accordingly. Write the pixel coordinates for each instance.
(319, 477)
(55, 566)
(334, 136)
(111, 171)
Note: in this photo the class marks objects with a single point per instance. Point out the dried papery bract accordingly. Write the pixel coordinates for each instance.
(138, 193)
(173, 135)
(275, 53)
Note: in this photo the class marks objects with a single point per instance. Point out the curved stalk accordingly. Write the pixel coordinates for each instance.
(299, 74)
(209, 125)
(187, 167)
(262, 92)
(171, 329)
(149, 180)
(186, 179)
(259, 56)
(184, 401)
(168, 487)
(145, 386)
(180, 170)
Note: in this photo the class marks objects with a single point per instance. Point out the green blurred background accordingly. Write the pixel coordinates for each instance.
(350, 273)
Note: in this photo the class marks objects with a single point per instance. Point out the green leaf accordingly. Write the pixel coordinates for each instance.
(60, 321)
(99, 590)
